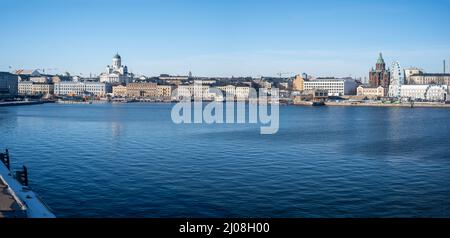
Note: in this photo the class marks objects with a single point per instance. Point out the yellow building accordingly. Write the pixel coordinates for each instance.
(142, 90)
(371, 92)
(299, 83)
(119, 91)
(164, 92)
(30, 88)
(43, 89)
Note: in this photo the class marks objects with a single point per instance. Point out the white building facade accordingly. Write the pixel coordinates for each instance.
(195, 91)
(242, 93)
(228, 91)
(82, 88)
(426, 92)
(334, 87)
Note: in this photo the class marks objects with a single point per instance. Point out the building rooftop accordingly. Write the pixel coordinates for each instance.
(26, 72)
(328, 79)
(432, 74)
(6, 73)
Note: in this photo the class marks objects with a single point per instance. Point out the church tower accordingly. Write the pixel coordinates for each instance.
(380, 75)
(380, 63)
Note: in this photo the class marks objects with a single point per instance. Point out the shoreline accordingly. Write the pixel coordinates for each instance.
(299, 104)
(403, 105)
(20, 103)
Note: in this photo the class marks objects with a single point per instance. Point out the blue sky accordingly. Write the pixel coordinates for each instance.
(224, 38)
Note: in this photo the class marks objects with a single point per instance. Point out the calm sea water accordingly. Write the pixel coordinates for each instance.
(131, 161)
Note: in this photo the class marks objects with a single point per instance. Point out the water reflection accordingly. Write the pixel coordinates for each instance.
(332, 162)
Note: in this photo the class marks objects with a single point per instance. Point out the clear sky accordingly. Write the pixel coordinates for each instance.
(224, 38)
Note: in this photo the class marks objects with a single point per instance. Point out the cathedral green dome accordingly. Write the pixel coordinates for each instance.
(117, 56)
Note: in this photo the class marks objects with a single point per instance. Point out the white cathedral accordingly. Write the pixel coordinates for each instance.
(117, 73)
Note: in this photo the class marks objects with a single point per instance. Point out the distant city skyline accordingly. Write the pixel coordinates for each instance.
(224, 38)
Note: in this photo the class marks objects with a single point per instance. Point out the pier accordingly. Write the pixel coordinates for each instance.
(17, 200)
(19, 103)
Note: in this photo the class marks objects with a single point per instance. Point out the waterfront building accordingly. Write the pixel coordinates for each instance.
(42, 89)
(195, 91)
(8, 85)
(228, 90)
(117, 73)
(429, 78)
(32, 88)
(142, 90)
(396, 82)
(119, 91)
(379, 76)
(200, 91)
(242, 93)
(309, 95)
(164, 92)
(25, 88)
(428, 92)
(183, 91)
(371, 92)
(82, 88)
(299, 83)
(412, 71)
(335, 87)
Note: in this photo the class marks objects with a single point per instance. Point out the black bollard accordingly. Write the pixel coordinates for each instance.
(4, 157)
(22, 176)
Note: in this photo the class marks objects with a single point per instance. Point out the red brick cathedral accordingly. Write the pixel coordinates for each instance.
(379, 76)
